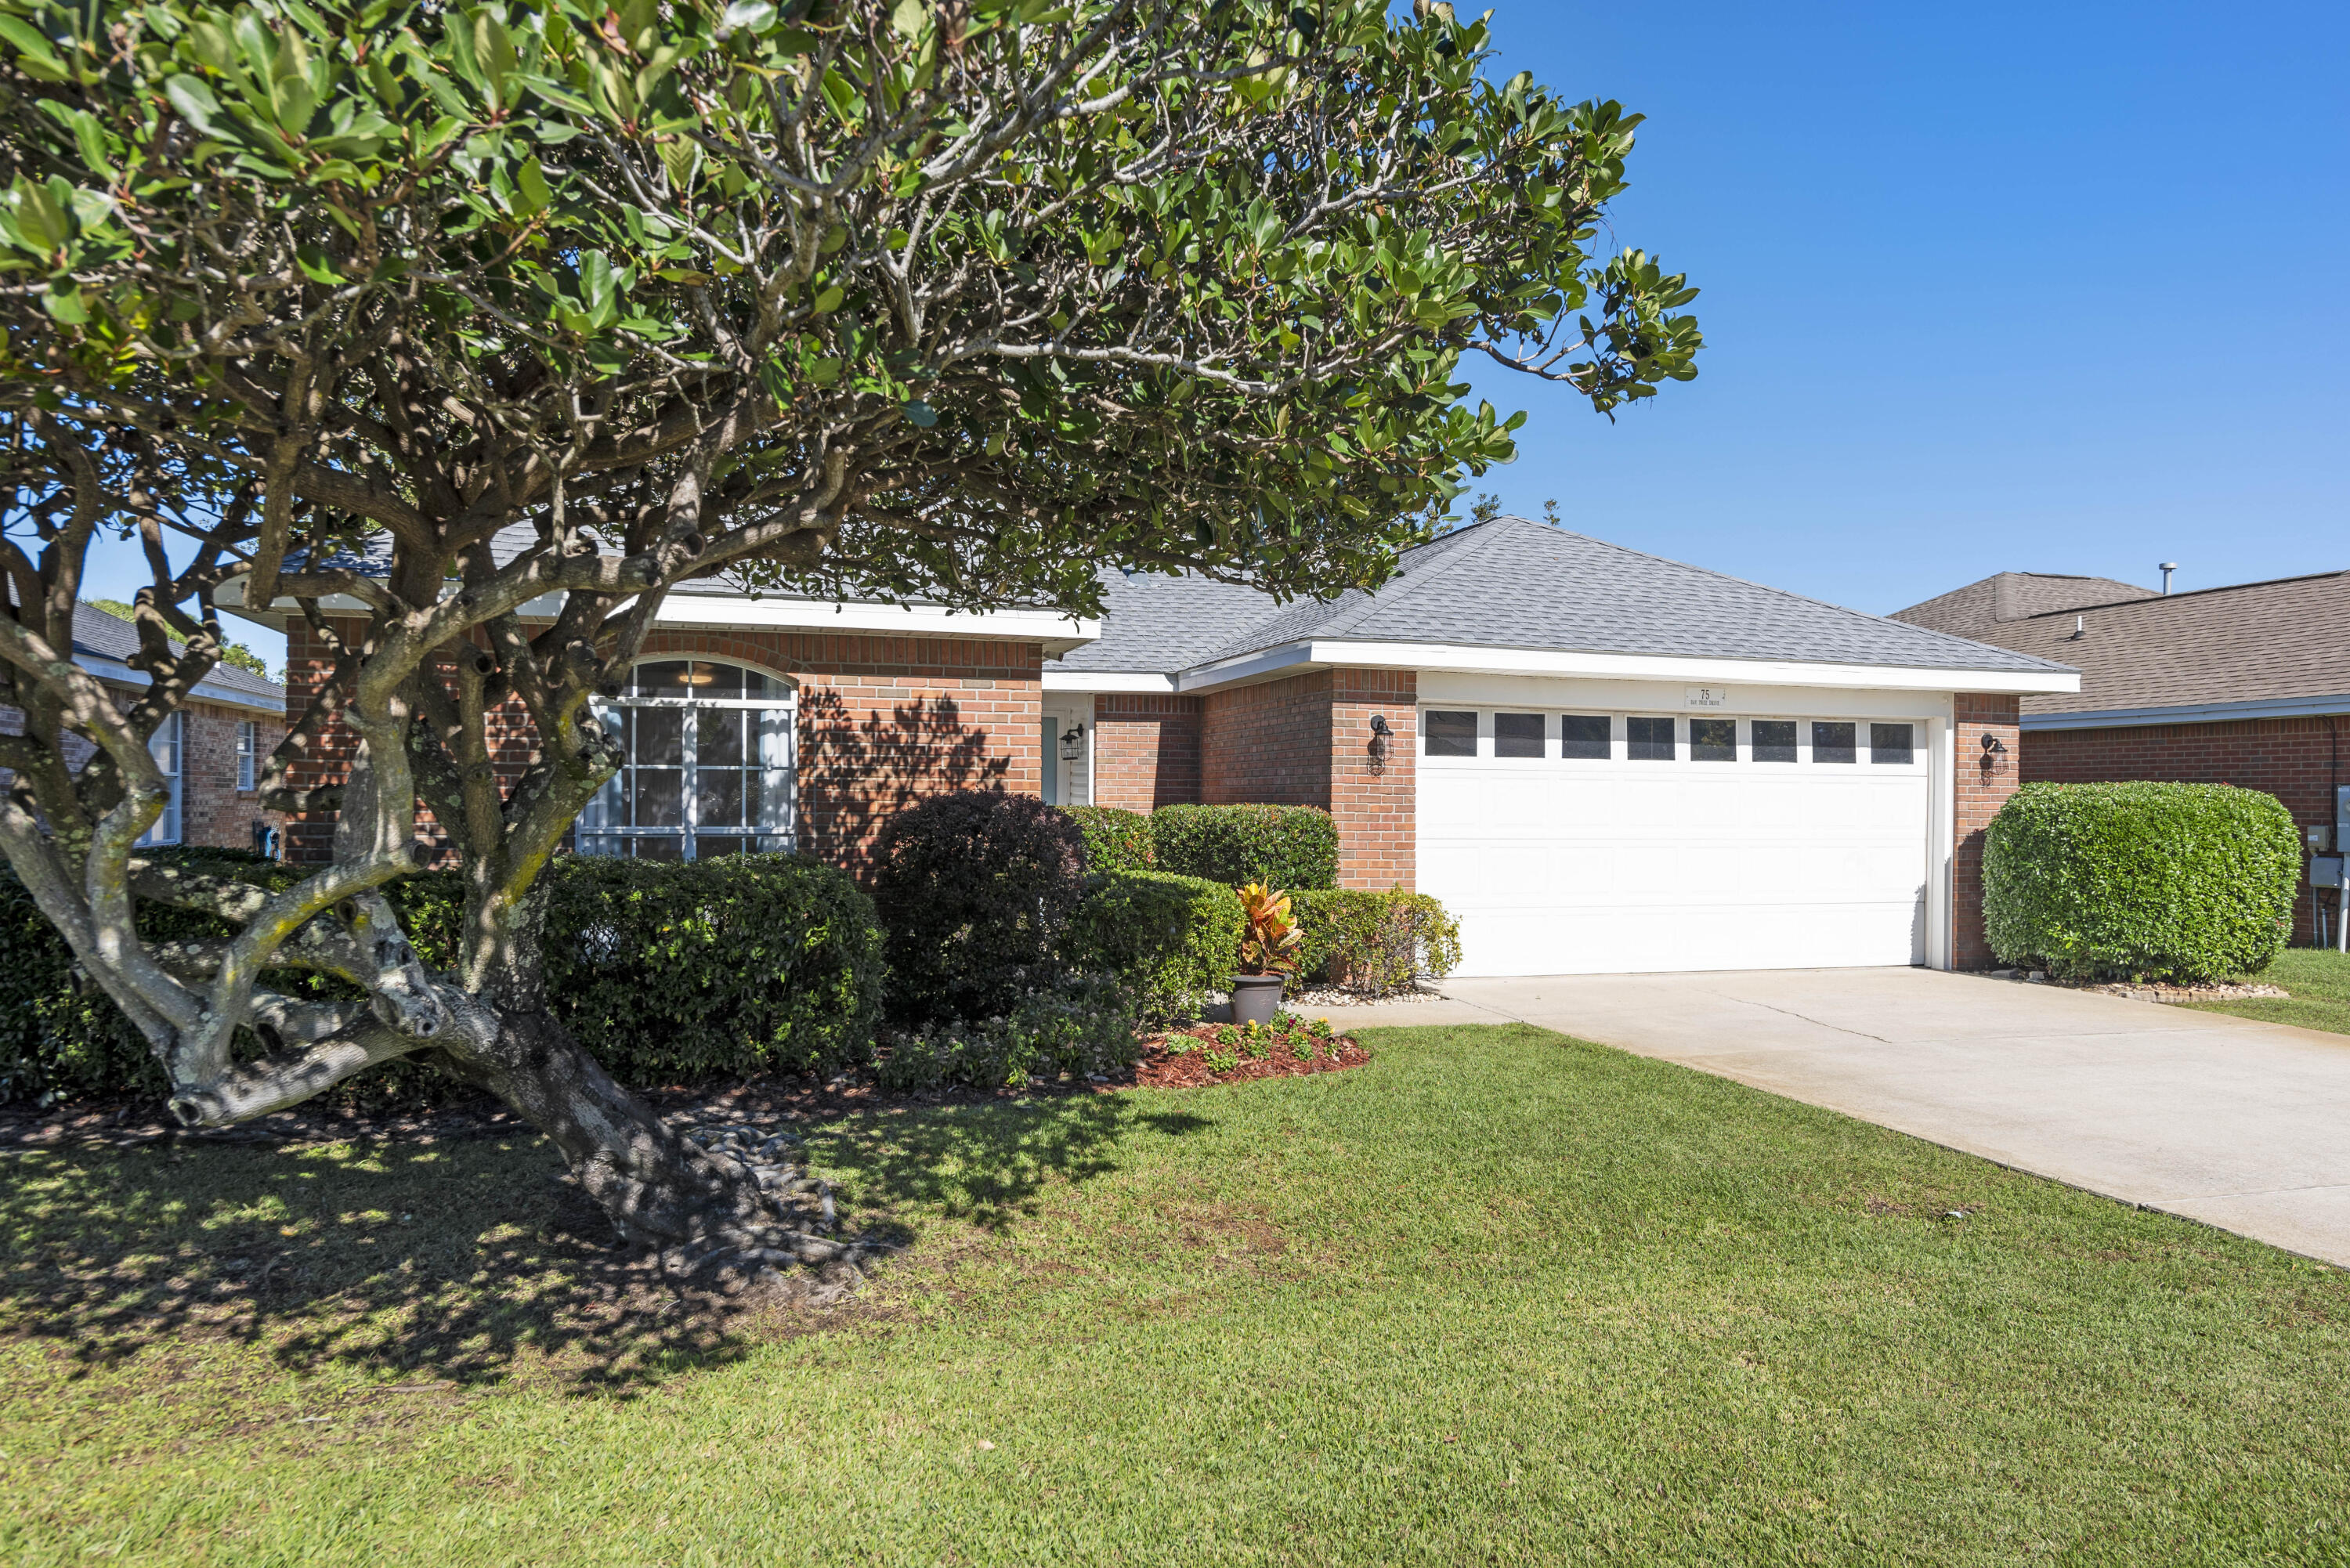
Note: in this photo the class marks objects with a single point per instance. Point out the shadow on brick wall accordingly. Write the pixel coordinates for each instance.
(856, 773)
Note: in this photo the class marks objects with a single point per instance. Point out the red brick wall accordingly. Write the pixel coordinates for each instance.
(212, 810)
(1984, 781)
(2296, 760)
(885, 721)
(1305, 741)
(1372, 798)
(1267, 744)
(1146, 751)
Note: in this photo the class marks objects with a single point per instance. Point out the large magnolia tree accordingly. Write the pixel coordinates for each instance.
(460, 312)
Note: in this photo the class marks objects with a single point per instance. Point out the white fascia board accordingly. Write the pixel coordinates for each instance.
(1623, 667)
(115, 672)
(1060, 633)
(1295, 658)
(1127, 681)
(2192, 713)
(773, 610)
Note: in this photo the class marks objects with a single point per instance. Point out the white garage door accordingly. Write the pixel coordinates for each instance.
(1600, 843)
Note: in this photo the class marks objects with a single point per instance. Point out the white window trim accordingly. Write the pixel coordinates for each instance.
(248, 746)
(172, 826)
(690, 832)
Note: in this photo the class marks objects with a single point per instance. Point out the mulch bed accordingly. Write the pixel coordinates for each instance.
(133, 1123)
(1167, 1062)
(2151, 990)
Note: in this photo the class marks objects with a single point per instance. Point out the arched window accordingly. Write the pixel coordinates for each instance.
(711, 759)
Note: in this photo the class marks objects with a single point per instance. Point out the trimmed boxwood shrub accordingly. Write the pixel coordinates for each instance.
(2101, 880)
(713, 968)
(1116, 840)
(1168, 939)
(975, 889)
(1290, 847)
(667, 972)
(1375, 942)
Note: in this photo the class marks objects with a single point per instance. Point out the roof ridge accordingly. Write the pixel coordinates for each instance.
(1806, 599)
(2152, 597)
(1465, 549)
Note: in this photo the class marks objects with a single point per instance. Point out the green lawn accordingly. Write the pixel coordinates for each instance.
(1499, 1297)
(2320, 983)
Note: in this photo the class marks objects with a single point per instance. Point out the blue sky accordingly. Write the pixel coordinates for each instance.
(2052, 287)
(2049, 287)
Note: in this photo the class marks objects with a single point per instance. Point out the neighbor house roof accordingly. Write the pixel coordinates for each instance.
(1975, 609)
(2271, 648)
(1514, 584)
(110, 642)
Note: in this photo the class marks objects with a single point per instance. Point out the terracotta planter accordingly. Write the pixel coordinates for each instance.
(1255, 997)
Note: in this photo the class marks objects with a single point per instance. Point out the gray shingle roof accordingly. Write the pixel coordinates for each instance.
(1511, 583)
(2248, 642)
(1975, 609)
(110, 637)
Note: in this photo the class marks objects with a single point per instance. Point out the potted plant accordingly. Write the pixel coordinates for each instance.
(1270, 940)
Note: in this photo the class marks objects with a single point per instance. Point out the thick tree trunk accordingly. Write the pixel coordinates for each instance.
(661, 1190)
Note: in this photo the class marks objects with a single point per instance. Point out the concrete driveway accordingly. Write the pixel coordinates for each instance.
(2245, 1126)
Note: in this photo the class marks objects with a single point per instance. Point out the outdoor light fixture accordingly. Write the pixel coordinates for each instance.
(1072, 743)
(1381, 734)
(1993, 746)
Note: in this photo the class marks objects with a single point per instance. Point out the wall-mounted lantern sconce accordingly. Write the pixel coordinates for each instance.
(1072, 743)
(1382, 737)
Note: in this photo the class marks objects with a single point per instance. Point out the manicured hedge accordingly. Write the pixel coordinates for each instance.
(1116, 840)
(723, 968)
(1375, 942)
(2093, 881)
(1291, 848)
(1169, 940)
(975, 889)
(665, 972)
(63, 1037)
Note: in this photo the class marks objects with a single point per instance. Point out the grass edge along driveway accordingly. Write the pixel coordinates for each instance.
(1499, 1297)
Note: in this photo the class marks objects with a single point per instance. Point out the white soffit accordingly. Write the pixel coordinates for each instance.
(1428, 655)
(1128, 682)
(1058, 633)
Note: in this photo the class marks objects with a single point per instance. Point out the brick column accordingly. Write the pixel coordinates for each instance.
(1372, 797)
(1984, 781)
(1146, 751)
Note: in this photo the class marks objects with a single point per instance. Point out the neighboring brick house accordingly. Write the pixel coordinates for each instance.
(2247, 684)
(212, 750)
(1597, 759)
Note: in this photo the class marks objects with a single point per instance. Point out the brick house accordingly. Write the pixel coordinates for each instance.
(1599, 760)
(2247, 684)
(211, 750)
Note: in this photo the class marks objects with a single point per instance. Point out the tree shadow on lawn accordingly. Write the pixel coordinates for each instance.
(470, 1260)
(984, 1164)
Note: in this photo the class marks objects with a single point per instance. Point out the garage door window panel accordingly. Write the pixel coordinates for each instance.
(1774, 740)
(1585, 736)
(1446, 733)
(1713, 740)
(1834, 742)
(1892, 745)
(1518, 734)
(1648, 739)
